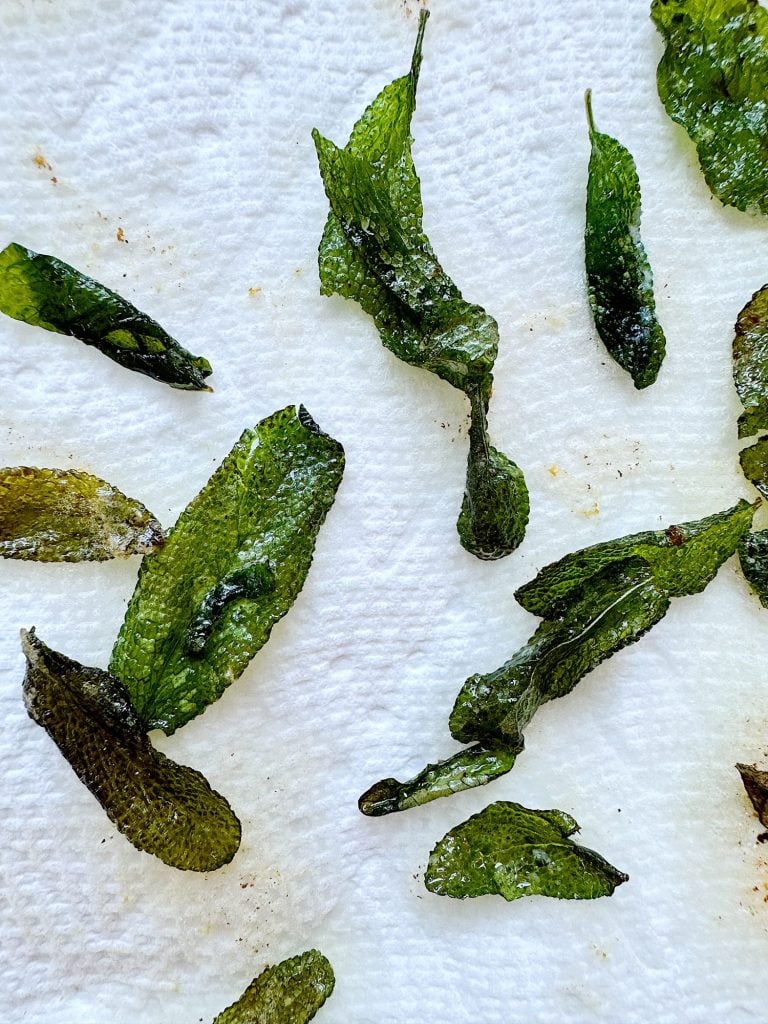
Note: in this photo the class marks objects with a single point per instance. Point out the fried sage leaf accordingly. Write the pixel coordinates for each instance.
(473, 766)
(162, 807)
(46, 292)
(756, 785)
(510, 851)
(750, 364)
(753, 556)
(67, 515)
(594, 602)
(291, 992)
(231, 567)
(374, 251)
(619, 278)
(713, 80)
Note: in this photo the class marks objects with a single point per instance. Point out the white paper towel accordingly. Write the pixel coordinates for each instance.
(187, 125)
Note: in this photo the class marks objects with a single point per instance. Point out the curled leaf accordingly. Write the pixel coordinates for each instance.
(756, 785)
(290, 992)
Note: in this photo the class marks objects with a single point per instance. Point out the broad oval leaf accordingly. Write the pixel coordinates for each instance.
(162, 807)
(67, 515)
(511, 851)
(231, 567)
(290, 992)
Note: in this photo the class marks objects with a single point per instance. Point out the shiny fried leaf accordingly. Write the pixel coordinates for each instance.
(291, 992)
(67, 515)
(231, 567)
(46, 292)
(753, 556)
(510, 851)
(619, 278)
(713, 80)
(161, 807)
(750, 365)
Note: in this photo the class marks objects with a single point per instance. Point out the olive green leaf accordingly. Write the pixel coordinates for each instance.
(750, 364)
(231, 567)
(753, 556)
(754, 463)
(467, 768)
(619, 279)
(713, 80)
(374, 251)
(46, 292)
(510, 851)
(67, 515)
(756, 785)
(162, 807)
(290, 992)
(594, 602)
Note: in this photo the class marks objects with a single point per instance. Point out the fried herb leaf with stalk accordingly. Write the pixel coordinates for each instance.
(756, 785)
(231, 567)
(619, 278)
(290, 992)
(594, 602)
(511, 851)
(46, 292)
(713, 80)
(374, 251)
(67, 515)
(161, 807)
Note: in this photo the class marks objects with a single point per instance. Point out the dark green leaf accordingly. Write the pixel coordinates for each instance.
(753, 555)
(750, 364)
(713, 80)
(231, 567)
(162, 807)
(510, 851)
(619, 278)
(473, 766)
(374, 251)
(66, 515)
(289, 993)
(45, 292)
(754, 463)
(594, 602)
(756, 785)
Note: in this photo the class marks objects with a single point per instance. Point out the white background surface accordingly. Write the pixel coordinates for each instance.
(187, 124)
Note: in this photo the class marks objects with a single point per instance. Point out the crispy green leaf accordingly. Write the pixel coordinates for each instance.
(45, 292)
(594, 602)
(713, 80)
(754, 463)
(289, 993)
(510, 851)
(231, 567)
(750, 364)
(466, 769)
(753, 556)
(162, 807)
(374, 251)
(619, 278)
(756, 785)
(67, 515)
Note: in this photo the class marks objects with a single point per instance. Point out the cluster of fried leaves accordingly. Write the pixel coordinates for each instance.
(204, 604)
(374, 251)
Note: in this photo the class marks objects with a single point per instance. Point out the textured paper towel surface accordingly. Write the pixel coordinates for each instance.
(187, 125)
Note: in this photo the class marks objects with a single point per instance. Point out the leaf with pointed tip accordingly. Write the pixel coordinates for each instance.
(231, 567)
(290, 992)
(619, 278)
(46, 292)
(756, 785)
(67, 515)
(161, 807)
(511, 851)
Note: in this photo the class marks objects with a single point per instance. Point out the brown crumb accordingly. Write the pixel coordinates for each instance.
(120, 236)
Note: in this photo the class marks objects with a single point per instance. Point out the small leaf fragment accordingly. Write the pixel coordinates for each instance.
(290, 992)
(753, 556)
(756, 785)
(750, 364)
(67, 515)
(713, 80)
(231, 567)
(511, 851)
(46, 292)
(161, 807)
(619, 278)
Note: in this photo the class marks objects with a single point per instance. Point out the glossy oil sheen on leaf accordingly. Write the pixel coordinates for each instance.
(753, 556)
(46, 292)
(231, 567)
(510, 851)
(594, 602)
(162, 807)
(67, 515)
(619, 279)
(713, 80)
(291, 992)
(750, 364)
(374, 251)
